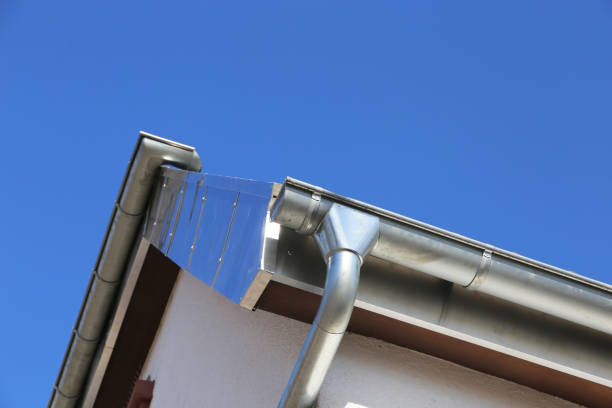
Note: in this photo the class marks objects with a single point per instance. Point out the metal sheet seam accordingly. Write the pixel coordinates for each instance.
(176, 217)
(195, 238)
(229, 230)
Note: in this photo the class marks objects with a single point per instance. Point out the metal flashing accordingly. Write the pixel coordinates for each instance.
(223, 245)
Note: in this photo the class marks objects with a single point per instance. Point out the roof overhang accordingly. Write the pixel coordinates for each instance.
(219, 229)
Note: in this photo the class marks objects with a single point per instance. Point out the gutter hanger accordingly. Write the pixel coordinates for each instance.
(149, 154)
(461, 261)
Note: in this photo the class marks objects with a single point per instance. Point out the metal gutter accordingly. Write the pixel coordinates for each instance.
(448, 256)
(149, 154)
(391, 216)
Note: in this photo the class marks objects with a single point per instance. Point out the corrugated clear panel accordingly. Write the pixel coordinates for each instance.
(242, 254)
(184, 226)
(212, 232)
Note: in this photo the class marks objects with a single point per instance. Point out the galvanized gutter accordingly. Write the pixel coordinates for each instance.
(149, 154)
(442, 254)
(401, 219)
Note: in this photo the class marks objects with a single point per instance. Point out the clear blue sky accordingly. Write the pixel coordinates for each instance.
(491, 119)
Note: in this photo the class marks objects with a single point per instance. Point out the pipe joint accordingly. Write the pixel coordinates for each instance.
(301, 211)
(341, 284)
(345, 237)
(68, 397)
(344, 228)
(151, 152)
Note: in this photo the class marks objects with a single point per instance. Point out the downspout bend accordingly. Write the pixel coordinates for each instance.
(345, 236)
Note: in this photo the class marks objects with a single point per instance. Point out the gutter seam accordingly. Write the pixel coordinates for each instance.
(101, 279)
(482, 271)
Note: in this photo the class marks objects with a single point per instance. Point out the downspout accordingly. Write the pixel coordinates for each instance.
(473, 265)
(345, 237)
(149, 154)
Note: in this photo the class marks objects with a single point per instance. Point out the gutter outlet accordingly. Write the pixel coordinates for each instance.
(345, 237)
(347, 230)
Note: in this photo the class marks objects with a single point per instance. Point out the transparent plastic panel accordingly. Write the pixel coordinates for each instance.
(242, 255)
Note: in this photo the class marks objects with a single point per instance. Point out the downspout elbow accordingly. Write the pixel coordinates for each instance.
(345, 236)
(152, 152)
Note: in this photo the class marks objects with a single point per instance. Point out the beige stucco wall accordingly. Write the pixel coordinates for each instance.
(211, 353)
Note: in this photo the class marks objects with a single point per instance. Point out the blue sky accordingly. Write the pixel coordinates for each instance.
(491, 119)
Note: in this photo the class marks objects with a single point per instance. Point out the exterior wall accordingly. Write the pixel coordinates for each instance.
(209, 352)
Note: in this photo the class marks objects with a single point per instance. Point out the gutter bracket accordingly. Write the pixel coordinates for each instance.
(482, 271)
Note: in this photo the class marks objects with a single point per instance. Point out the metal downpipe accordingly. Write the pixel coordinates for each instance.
(345, 237)
(150, 153)
(326, 331)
